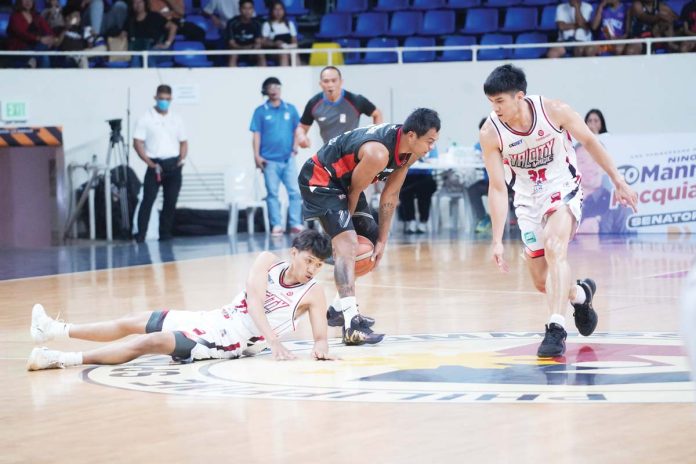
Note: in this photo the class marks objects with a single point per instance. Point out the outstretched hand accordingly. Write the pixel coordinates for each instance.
(498, 257)
(280, 353)
(626, 195)
(378, 253)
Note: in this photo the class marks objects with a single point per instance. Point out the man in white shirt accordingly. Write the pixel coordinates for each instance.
(573, 20)
(221, 11)
(160, 141)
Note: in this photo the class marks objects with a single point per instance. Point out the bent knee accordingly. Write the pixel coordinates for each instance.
(540, 286)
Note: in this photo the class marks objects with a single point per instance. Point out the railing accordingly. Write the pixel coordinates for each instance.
(295, 53)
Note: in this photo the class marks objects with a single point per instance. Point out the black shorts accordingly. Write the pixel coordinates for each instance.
(182, 345)
(329, 205)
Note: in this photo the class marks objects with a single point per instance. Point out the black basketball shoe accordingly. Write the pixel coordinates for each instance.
(553, 343)
(358, 334)
(335, 319)
(584, 314)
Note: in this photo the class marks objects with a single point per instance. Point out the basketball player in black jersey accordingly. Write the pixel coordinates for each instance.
(332, 184)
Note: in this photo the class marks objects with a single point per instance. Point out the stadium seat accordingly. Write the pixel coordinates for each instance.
(295, 8)
(530, 53)
(677, 5)
(548, 19)
(191, 61)
(420, 56)
(463, 4)
(370, 25)
(350, 57)
(322, 58)
(480, 21)
(539, 2)
(334, 25)
(381, 57)
(351, 6)
(427, 4)
(391, 5)
(438, 22)
(457, 55)
(4, 21)
(260, 8)
(520, 19)
(212, 33)
(405, 23)
(495, 53)
(501, 3)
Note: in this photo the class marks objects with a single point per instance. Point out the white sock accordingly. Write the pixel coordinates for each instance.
(557, 319)
(580, 296)
(71, 358)
(60, 330)
(350, 309)
(337, 302)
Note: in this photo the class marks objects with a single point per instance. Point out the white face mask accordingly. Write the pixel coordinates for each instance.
(74, 21)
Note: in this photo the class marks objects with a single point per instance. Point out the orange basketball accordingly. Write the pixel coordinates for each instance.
(363, 263)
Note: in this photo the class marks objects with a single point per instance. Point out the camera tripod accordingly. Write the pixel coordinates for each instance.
(116, 151)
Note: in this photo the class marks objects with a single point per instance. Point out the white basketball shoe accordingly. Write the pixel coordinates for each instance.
(43, 327)
(43, 358)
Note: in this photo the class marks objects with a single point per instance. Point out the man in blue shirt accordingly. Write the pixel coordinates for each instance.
(273, 126)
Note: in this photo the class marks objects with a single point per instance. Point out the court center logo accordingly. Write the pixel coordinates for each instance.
(499, 367)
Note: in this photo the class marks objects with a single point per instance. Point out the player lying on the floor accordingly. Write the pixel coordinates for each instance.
(277, 293)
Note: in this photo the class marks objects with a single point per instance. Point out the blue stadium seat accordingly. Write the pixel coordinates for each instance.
(188, 6)
(539, 2)
(520, 19)
(462, 4)
(351, 6)
(548, 19)
(420, 56)
(677, 5)
(405, 23)
(295, 8)
(391, 5)
(212, 33)
(370, 25)
(427, 4)
(260, 8)
(350, 57)
(334, 25)
(530, 53)
(4, 21)
(480, 21)
(501, 3)
(495, 53)
(438, 22)
(191, 61)
(381, 57)
(457, 55)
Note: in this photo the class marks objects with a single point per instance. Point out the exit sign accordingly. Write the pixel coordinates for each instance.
(14, 111)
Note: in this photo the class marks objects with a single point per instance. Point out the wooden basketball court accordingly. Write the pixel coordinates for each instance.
(423, 287)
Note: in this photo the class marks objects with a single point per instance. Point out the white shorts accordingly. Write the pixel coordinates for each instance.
(533, 213)
(197, 337)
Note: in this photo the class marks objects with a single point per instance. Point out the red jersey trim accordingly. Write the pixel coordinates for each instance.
(398, 158)
(344, 165)
(320, 177)
(534, 121)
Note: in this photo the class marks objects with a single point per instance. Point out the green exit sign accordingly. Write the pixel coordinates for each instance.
(14, 111)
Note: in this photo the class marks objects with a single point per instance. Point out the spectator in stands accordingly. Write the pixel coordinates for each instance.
(175, 11)
(28, 30)
(160, 141)
(688, 16)
(53, 14)
(595, 121)
(221, 11)
(419, 187)
(610, 22)
(109, 24)
(598, 216)
(273, 126)
(73, 38)
(651, 18)
(279, 33)
(244, 33)
(336, 110)
(573, 20)
(148, 31)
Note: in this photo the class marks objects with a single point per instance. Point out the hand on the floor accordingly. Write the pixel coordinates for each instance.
(318, 355)
(498, 257)
(280, 353)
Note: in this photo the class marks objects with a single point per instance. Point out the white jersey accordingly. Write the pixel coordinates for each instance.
(538, 163)
(229, 332)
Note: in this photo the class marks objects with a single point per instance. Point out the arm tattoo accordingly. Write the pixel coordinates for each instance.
(386, 212)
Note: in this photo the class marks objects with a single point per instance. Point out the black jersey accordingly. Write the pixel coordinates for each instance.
(336, 160)
(335, 118)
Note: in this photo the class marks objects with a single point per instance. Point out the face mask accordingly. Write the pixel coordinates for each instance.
(163, 105)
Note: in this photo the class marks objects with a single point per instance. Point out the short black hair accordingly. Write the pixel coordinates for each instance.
(421, 121)
(242, 2)
(326, 68)
(317, 243)
(269, 81)
(603, 128)
(504, 79)
(164, 88)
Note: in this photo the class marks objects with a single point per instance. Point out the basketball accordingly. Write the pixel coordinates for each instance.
(363, 263)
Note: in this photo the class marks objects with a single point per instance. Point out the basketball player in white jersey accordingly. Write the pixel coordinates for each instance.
(277, 293)
(526, 142)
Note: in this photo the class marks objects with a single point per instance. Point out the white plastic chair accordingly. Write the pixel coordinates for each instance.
(243, 192)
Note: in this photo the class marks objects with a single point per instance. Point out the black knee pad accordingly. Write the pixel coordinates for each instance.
(366, 226)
